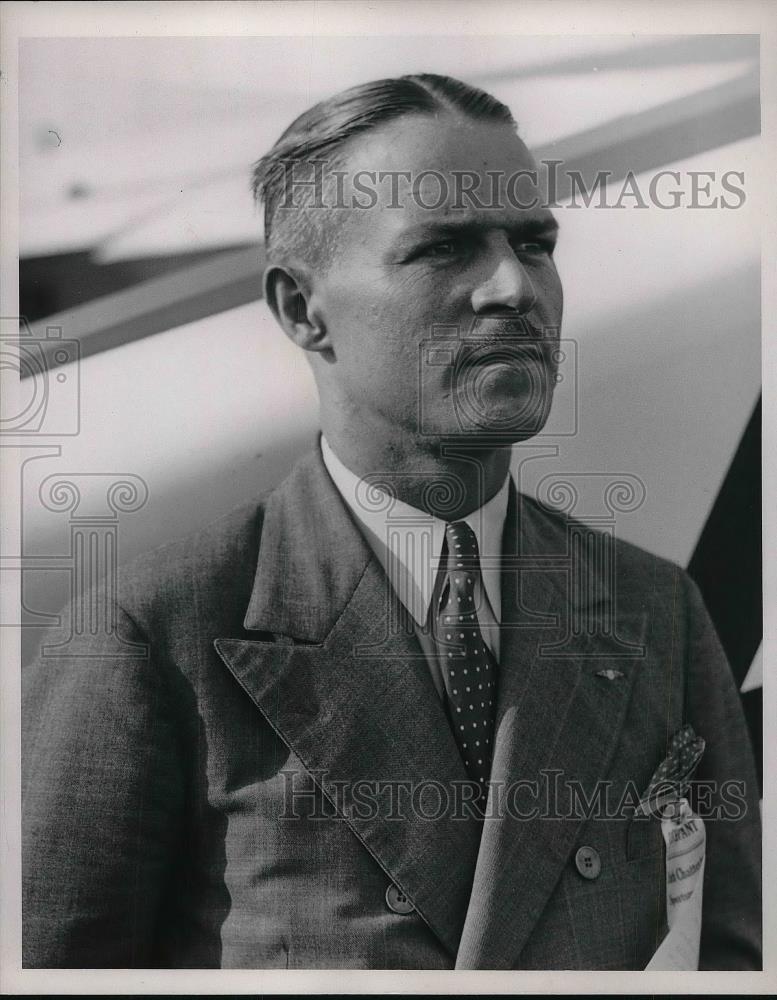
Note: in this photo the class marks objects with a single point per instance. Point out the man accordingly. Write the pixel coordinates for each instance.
(357, 723)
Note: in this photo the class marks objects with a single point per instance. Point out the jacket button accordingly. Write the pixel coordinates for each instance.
(397, 901)
(588, 862)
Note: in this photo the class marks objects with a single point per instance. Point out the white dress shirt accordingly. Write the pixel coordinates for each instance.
(408, 544)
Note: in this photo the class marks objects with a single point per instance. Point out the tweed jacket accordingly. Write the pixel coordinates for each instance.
(204, 784)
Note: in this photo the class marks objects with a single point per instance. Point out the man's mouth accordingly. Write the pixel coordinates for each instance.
(515, 353)
(505, 340)
(504, 327)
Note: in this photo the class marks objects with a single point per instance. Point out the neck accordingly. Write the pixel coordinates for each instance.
(446, 478)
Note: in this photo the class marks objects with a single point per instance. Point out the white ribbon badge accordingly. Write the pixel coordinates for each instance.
(685, 841)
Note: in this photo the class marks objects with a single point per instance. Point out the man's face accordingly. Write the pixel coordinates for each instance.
(444, 319)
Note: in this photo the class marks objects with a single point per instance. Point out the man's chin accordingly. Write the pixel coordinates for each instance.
(500, 426)
(511, 417)
(509, 394)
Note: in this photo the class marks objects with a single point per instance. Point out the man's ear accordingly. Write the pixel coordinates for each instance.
(287, 292)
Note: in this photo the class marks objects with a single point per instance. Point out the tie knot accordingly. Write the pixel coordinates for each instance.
(461, 539)
(462, 547)
(463, 565)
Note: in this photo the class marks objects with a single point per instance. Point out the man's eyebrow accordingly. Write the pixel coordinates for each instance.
(545, 225)
(534, 226)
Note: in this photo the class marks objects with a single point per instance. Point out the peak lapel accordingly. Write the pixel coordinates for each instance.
(556, 722)
(311, 557)
(354, 698)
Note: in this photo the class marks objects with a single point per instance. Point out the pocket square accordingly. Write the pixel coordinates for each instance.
(672, 777)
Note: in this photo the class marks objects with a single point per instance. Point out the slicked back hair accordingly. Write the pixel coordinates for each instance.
(322, 133)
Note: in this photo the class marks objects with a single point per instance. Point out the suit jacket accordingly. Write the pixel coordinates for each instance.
(194, 779)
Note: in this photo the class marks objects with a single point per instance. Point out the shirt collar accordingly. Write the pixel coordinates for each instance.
(408, 541)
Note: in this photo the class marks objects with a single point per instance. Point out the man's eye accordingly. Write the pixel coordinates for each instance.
(533, 246)
(443, 248)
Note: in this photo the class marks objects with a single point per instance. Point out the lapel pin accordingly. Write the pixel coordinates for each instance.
(609, 675)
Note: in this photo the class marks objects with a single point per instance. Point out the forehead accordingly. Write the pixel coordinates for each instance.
(423, 169)
(445, 141)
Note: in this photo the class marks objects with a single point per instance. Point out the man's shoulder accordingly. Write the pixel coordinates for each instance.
(215, 563)
(601, 545)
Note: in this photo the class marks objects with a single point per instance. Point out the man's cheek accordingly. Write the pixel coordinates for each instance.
(553, 298)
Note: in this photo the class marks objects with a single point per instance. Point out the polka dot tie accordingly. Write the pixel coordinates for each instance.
(467, 660)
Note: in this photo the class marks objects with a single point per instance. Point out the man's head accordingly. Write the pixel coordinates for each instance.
(416, 268)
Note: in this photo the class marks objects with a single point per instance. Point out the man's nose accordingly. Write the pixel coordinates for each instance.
(507, 285)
